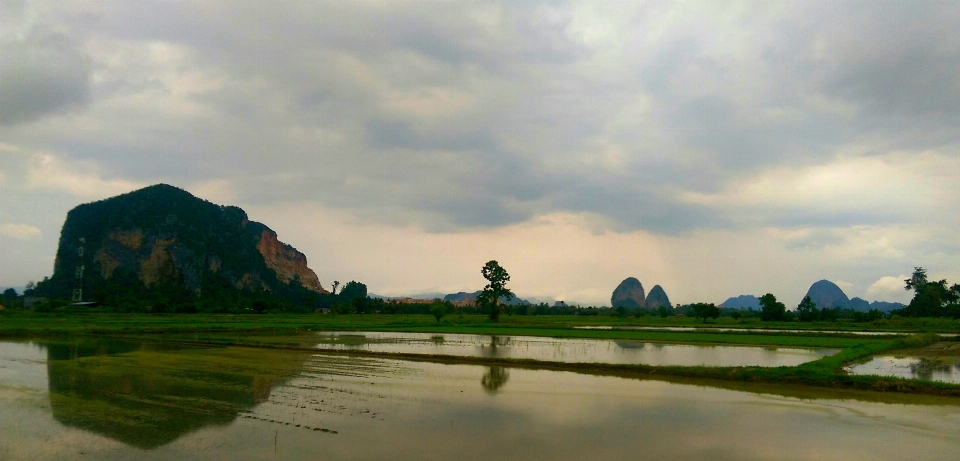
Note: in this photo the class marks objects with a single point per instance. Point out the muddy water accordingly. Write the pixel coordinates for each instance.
(71, 401)
(569, 350)
(945, 369)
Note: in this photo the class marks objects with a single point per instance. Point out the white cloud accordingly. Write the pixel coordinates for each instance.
(845, 286)
(895, 187)
(50, 173)
(19, 231)
(219, 191)
(889, 288)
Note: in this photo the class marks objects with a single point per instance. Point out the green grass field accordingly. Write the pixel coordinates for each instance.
(25, 323)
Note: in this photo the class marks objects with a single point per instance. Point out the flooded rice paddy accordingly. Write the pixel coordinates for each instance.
(112, 400)
(618, 351)
(945, 369)
(754, 330)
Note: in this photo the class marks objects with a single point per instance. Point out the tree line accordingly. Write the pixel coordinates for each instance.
(125, 292)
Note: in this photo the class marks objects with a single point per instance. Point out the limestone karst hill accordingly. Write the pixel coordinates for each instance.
(657, 297)
(826, 294)
(163, 236)
(629, 294)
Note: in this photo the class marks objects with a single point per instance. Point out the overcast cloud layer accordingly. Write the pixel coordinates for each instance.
(716, 148)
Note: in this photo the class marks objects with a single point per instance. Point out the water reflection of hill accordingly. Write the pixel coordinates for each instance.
(147, 395)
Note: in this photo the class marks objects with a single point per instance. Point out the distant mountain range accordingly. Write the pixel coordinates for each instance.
(429, 295)
(464, 296)
(460, 296)
(825, 294)
(742, 302)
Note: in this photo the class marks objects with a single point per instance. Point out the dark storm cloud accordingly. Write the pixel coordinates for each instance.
(644, 207)
(399, 134)
(43, 73)
(484, 114)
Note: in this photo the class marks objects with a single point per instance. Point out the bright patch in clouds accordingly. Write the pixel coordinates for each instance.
(893, 188)
(81, 179)
(19, 231)
(889, 288)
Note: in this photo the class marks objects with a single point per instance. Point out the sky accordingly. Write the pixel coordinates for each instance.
(713, 148)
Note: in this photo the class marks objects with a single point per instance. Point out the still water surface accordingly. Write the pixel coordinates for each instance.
(945, 369)
(569, 350)
(754, 330)
(110, 400)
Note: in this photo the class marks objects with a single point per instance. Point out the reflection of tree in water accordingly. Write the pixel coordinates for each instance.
(146, 396)
(494, 379)
(495, 343)
(926, 367)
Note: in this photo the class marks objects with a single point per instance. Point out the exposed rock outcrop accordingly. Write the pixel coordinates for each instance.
(286, 261)
(629, 294)
(657, 298)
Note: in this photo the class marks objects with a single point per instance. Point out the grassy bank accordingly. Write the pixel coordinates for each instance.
(52, 325)
(22, 323)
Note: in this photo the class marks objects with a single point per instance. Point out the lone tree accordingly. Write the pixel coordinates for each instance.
(495, 289)
(771, 309)
(807, 310)
(438, 310)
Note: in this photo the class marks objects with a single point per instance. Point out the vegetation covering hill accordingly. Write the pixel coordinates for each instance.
(160, 247)
(742, 302)
(657, 298)
(827, 295)
(629, 294)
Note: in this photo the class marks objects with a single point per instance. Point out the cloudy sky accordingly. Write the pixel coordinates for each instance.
(714, 148)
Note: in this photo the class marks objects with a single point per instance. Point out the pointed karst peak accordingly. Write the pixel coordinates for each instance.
(827, 295)
(629, 294)
(657, 298)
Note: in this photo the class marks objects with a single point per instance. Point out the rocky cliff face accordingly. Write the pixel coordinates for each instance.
(657, 298)
(286, 261)
(629, 294)
(164, 235)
